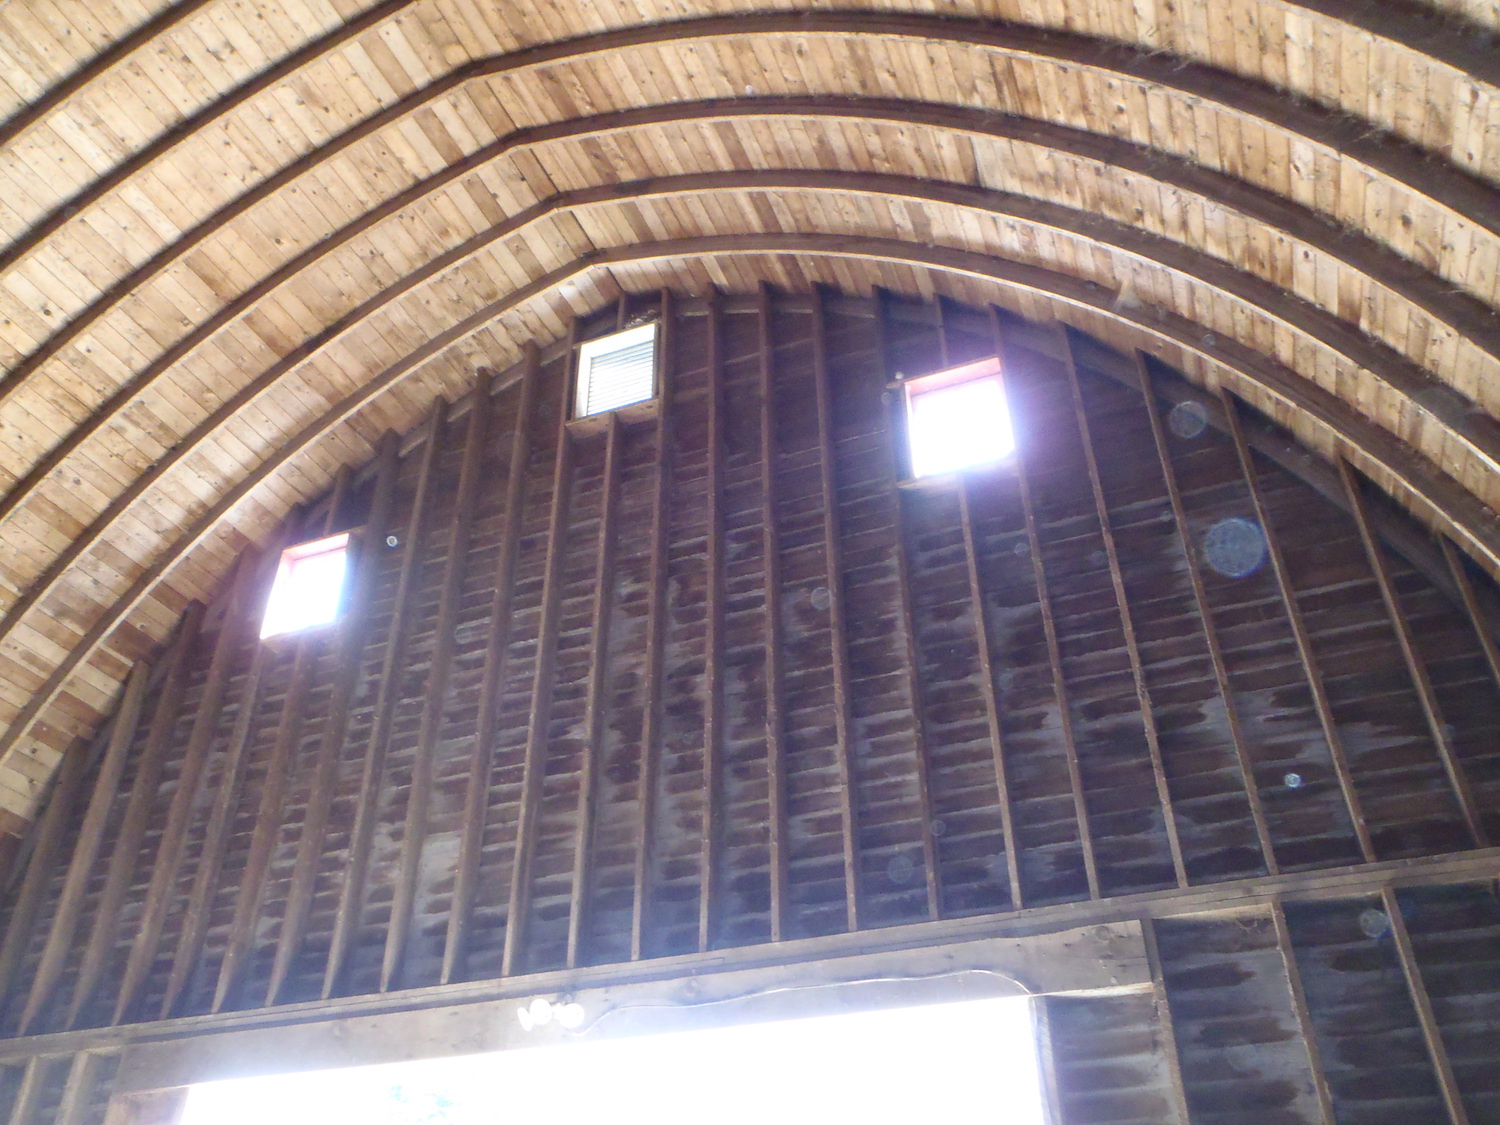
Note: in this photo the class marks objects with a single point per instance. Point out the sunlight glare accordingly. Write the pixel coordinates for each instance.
(959, 1062)
(957, 426)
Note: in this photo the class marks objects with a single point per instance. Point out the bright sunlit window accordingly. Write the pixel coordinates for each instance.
(307, 586)
(616, 370)
(962, 1062)
(958, 418)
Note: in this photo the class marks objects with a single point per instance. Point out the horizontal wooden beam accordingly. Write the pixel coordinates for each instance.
(1461, 513)
(1247, 896)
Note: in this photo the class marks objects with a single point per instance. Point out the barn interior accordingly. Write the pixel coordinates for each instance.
(542, 524)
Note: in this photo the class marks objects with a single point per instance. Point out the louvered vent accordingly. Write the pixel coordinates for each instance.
(616, 371)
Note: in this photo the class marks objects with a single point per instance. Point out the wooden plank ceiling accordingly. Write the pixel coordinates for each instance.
(243, 238)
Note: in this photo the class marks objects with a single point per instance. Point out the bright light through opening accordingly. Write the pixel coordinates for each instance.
(957, 419)
(971, 1061)
(307, 586)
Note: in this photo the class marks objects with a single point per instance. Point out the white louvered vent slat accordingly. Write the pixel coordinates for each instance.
(617, 370)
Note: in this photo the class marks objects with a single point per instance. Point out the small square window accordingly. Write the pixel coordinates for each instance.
(958, 418)
(308, 587)
(616, 370)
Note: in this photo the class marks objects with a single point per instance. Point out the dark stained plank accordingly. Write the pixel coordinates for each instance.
(352, 892)
(90, 838)
(353, 630)
(497, 643)
(419, 792)
(651, 718)
(1054, 651)
(541, 692)
(126, 844)
(164, 868)
(1205, 617)
(1299, 629)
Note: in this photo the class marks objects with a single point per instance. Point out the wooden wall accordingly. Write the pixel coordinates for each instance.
(707, 676)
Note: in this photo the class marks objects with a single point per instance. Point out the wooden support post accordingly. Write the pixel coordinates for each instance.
(419, 792)
(1127, 623)
(226, 793)
(1205, 615)
(1299, 629)
(1416, 667)
(270, 813)
(1054, 649)
(933, 876)
(387, 690)
(710, 843)
(353, 629)
(1164, 1025)
(838, 640)
(492, 685)
(1305, 1028)
(1432, 1032)
(1471, 608)
(168, 860)
(63, 928)
(535, 766)
(776, 813)
(55, 828)
(991, 695)
(593, 717)
(655, 632)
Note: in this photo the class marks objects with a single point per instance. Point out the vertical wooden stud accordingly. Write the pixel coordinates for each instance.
(1416, 667)
(535, 765)
(62, 931)
(655, 632)
(372, 773)
(1306, 1031)
(227, 792)
(933, 881)
(713, 641)
(492, 685)
(168, 860)
(82, 1074)
(1054, 648)
(1471, 608)
(419, 792)
(29, 1097)
(1165, 1027)
(1205, 615)
(269, 814)
(1127, 622)
(776, 813)
(53, 831)
(126, 846)
(991, 695)
(353, 629)
(593, 718)
(838, 640)
(1299, 629)
(1432, 1032)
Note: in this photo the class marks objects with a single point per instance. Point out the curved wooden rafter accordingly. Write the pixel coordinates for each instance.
(1391, 369)
(1458, 511)
(1397, 370)
(1404, 163)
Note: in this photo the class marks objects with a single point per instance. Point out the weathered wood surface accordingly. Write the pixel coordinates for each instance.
(216, 220)
(737, 682)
